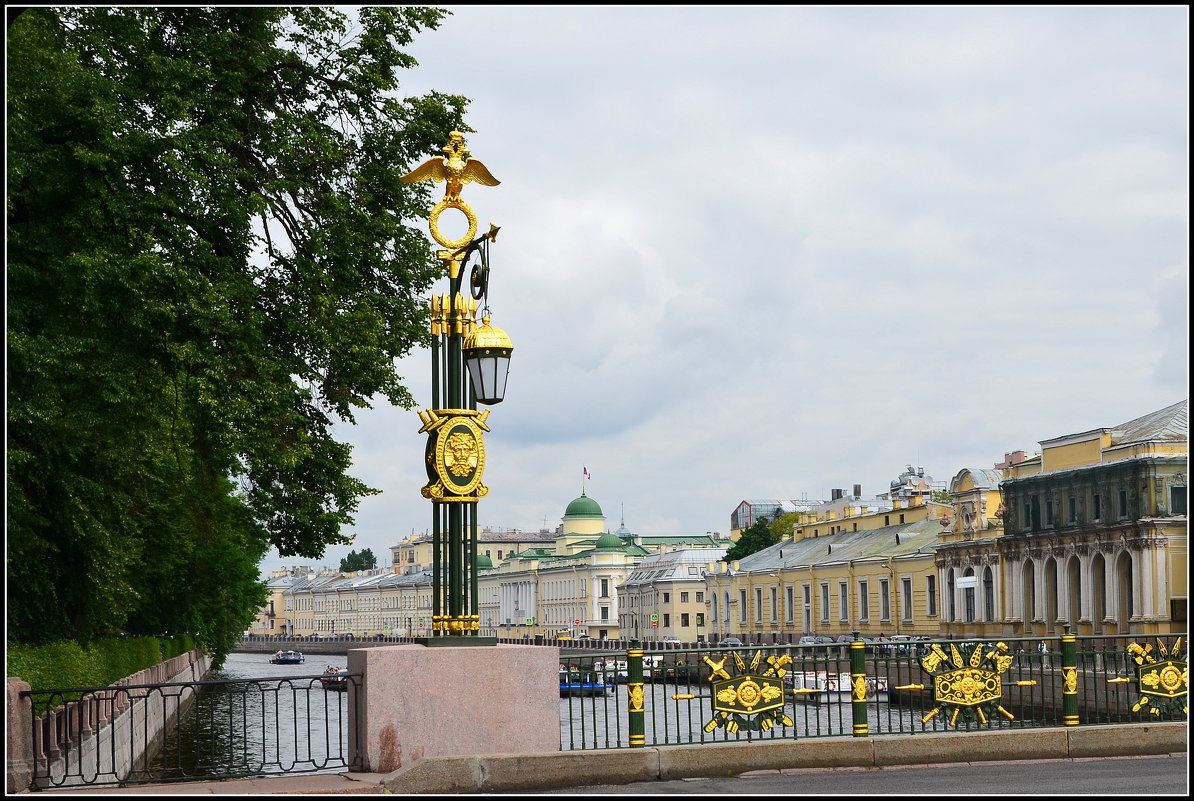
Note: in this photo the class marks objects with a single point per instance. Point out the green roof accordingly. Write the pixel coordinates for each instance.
(608, 542)
(584, 506)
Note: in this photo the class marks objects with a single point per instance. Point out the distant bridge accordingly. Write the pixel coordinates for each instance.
(340, 644)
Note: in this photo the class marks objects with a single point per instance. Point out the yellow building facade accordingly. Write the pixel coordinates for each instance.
(870, 571)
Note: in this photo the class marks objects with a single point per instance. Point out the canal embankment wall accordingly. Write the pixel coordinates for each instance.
(110, 731)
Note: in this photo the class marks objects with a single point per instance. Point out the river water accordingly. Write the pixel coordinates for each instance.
(271, 719)
(278, 718)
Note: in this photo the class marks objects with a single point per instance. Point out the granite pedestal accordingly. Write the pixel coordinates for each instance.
(421, 702)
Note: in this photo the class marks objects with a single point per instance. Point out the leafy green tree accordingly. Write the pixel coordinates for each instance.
(365, 560)
(210, 261)
(782, 525)
(753, 540)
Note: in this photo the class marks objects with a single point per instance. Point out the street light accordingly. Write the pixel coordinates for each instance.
(487, 352)
(455, 452)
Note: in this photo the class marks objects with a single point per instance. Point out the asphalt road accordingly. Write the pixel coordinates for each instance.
(1137, 776)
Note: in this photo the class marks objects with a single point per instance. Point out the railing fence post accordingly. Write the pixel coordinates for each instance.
(858, 684)
(1069, 678)
(635, 694)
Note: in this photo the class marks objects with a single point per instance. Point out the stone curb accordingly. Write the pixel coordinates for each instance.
(514, 772)
(504, 773)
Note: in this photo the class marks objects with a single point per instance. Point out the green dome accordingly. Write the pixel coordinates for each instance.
(584, 506)
(607, 542)
(484, 562)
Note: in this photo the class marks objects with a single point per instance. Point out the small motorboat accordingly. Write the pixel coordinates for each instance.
(335, 678)
(287, 658)
(820, 687)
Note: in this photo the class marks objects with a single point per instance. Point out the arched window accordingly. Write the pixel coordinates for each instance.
(951, 596)
(968, 595)
(988, 595)
(1098, 593)
(1051, 595)
(1123, 592)
(1028, 594)
(1073, 587)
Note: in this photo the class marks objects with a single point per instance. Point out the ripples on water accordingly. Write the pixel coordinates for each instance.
(289, 723)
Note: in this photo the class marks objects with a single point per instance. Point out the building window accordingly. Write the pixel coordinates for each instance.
(758, 604)
(906, 586)
(843, 597)
(1177, 500)
(683, 597)
(901, 517)
(742, 604)
(1049, 513)
(931, 596)
(667, 620)
(1123, 504)
(968, 597)
(808, 608)
(884, 601)
(774, 605)
(700, 597)
(667, 597)
(700, 618)
(789, 607)
(951, 592)
(604, 588)
(864, 604)
(988, 595)
(605, 613)
(1073, 511)
(825, 603)
(1098, 507)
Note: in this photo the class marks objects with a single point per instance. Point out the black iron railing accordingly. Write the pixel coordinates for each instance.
(1074, 681)
(178, 731)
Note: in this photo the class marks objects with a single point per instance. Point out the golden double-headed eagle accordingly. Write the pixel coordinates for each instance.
(453, 169)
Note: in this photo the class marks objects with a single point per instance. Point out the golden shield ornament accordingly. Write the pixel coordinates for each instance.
(458, 459)
(1162, 677)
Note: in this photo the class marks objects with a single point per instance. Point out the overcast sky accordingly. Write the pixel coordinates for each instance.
(765, 252)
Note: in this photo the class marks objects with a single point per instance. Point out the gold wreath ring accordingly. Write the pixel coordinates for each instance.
(433, 223)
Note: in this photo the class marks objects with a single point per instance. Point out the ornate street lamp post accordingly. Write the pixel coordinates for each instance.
(469, 364)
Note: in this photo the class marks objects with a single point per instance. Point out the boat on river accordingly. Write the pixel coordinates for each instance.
(574, 683)
(287, 658)
(335, 678)
(822, 687)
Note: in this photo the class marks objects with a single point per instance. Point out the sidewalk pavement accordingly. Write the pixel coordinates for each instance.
(515, 772)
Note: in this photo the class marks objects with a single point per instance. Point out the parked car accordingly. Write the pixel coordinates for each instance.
(731, 642)
(671, 641)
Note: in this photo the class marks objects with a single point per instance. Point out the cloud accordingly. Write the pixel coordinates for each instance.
(753, 252)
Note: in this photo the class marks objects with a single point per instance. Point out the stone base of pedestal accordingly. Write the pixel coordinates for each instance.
(453, 701)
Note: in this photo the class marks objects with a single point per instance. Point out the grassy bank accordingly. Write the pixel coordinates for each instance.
(65, 665)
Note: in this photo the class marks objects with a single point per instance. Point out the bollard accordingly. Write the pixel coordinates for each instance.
(635, 694)
(858, 685)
